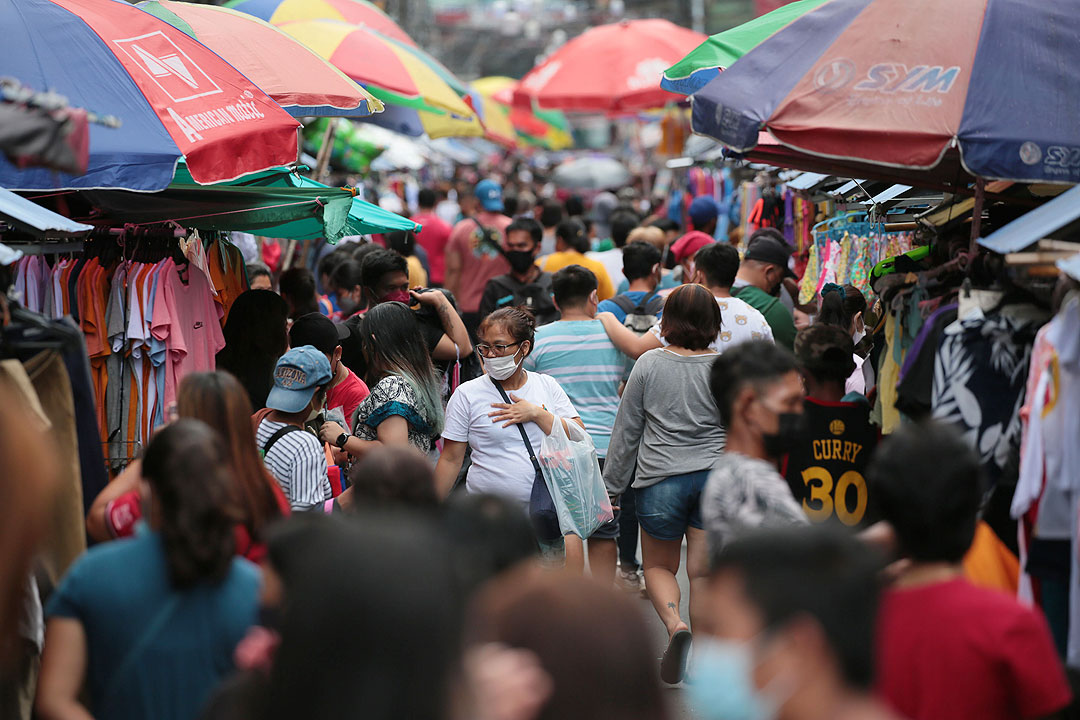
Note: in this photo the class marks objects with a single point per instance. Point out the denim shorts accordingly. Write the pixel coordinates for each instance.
(666, 509)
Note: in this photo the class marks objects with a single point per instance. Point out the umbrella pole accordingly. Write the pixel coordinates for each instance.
(323, 160)
(976, 215)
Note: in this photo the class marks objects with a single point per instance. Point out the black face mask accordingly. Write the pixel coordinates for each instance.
(787, 434)
(520, 260)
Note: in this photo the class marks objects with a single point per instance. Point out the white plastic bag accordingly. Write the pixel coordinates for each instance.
(573, 478)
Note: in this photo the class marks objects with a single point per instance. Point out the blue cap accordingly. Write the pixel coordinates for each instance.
(702, 210)
(490, 195)
(298, 374)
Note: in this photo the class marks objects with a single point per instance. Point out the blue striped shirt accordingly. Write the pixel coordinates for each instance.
(588, 367)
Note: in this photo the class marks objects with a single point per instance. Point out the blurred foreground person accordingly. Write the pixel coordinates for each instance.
(256, 335)
(150, 623)
(946, 648)
(370, 627)
(554, 646)
(24, 453)
(389, 477)
(488, 535)
(787, 630)
(218, 400)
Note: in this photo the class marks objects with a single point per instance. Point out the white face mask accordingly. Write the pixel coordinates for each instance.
(501, 368)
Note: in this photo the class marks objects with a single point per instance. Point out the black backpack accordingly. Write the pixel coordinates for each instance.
(640, 317)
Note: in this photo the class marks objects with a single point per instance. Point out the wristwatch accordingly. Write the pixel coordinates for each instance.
(341, 440)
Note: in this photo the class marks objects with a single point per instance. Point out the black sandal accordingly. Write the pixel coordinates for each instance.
(673, 664)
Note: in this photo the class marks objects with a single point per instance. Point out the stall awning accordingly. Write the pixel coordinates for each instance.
(36, 220)
(277, 204)
(1036, 224)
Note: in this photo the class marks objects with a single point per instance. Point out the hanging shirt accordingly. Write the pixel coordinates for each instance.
(186, 318)
(826, 468)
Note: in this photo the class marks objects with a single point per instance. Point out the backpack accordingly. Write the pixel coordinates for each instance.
(641, 317)
(536, 296)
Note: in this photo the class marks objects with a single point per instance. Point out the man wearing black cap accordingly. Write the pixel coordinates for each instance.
(346, 390)
(761, 275)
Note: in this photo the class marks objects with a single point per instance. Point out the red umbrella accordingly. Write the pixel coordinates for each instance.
(611, 68)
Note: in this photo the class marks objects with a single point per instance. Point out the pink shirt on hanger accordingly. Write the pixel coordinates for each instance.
(186, 320)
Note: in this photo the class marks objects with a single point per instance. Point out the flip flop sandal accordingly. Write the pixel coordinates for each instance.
(673, 664)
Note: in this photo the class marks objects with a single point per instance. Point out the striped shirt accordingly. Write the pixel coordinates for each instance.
(298, 463)
(588, 367)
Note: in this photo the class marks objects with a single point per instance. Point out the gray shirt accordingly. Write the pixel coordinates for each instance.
(667, 423)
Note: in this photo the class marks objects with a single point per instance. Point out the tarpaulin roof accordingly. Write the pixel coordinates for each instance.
(32, 218)
(276, 203)
(1035, 225)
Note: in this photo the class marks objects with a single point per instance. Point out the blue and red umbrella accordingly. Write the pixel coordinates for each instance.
(176, 98)
(987, 85)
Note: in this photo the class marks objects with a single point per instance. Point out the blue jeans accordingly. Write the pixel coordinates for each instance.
(667, 508)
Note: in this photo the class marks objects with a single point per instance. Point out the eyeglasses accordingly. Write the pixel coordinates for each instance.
(484, 348)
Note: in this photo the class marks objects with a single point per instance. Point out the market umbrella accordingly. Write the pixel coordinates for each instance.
(913, 84)
(494, 116)
(609, 69)
(296, 77)
(416, 123)
(591, 173)
(356, 12)
(277, 203)
(720, 51)
(548, 129)
(394, 72)
(176, 97)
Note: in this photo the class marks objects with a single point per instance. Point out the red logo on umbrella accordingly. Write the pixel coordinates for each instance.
(168, 66)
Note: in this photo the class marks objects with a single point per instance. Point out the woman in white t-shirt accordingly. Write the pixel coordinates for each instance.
(843, 306)
(478, 417)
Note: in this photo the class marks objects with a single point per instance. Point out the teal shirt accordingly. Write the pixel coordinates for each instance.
(776, 314)
(153, 651)
(588, 367)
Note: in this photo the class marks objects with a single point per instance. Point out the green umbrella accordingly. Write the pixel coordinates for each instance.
(276, 203)
(706, 61)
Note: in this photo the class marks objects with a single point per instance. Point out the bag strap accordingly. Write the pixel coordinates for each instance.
(524, 435)
(625, 304)
(643, 306)
(655, 305)
(278, 434)
(146, 638)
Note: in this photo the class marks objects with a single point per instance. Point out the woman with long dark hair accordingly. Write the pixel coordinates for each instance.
(844, 306)
(217, 399)
(158, 614)
(256, 335)
(405, 405)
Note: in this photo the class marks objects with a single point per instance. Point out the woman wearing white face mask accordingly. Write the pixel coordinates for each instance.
(844, 306)
(478, 416)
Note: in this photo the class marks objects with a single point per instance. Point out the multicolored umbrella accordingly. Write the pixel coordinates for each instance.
(609, 69)
(295, 76)
(355, 12)
(913, 84)
(494, 116)
(548, 129)
(394, 72)
(178, 98)
(720, 51)
(416, 123)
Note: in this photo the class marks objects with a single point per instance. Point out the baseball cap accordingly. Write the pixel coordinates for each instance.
(298, 374)
(689, 244)
(318, 331)
(825, 350)
(489, 193)
(702, 209)
(770, 249)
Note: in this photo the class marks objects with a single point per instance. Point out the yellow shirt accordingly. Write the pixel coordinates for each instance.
(558, 260)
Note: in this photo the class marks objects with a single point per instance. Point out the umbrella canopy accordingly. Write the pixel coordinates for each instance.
(720, 51)
(494, 116)
(591, 173)
(393, 71)
(277, 203)
(899, 83)
(415, 123)
(548, 129)
(177, 98)
(296, 77)
(609, 69)
(356, 12)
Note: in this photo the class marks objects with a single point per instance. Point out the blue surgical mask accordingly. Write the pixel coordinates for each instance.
(723, 686)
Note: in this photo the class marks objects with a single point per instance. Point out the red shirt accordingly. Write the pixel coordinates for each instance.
(433, 238)
(950, 650)
(347, 395)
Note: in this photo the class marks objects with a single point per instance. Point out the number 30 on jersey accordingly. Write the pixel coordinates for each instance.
(847, 499)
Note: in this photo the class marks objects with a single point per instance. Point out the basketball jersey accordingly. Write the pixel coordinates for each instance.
(826, 467)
